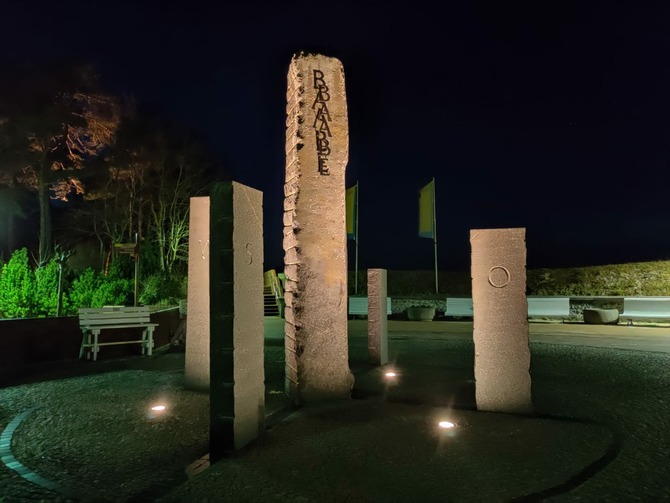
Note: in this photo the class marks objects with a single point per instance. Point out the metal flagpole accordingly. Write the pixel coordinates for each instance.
(435, 235)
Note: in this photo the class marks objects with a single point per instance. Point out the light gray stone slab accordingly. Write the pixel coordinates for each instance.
(377, 317)
(224, 336)
(196, 369)
(237, 377)
(502, 353)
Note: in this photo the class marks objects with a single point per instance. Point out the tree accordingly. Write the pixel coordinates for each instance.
(152, 172)
(53, 122)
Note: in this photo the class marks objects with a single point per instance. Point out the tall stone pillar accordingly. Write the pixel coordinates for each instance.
(502, 353)
(224, 335)
(196, 363)
(377, 317)
(315, 248)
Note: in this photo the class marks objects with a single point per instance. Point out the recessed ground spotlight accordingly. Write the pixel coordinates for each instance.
(390, 374)
(158, 408)
(446, 425)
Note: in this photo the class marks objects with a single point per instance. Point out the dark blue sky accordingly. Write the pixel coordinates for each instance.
(553, 116)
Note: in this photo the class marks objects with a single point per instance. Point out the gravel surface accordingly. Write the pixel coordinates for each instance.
(601, 433)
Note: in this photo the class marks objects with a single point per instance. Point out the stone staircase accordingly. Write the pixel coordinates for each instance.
(270, 306)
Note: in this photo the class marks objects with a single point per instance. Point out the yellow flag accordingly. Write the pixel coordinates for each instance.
(427, 210)
(352, 211)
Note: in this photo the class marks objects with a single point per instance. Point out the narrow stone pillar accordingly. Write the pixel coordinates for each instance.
(502, 353)
(377, 317)
(237, 384)
(196, 370)
(315, 248)
(224, 331)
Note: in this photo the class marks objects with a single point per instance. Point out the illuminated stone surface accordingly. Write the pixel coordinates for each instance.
(377, 317)
(197, 321)
(315, 251)
(231, 365)
(502, 353)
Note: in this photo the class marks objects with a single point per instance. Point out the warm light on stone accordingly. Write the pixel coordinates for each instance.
(315, 247)
(500, 331)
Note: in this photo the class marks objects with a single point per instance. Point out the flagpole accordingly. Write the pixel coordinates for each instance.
(356, 243)
(434, 235)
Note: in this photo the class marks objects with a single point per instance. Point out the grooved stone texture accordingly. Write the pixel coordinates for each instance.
(377, 317)
(315, 248)
(224, 339)
(502, 353)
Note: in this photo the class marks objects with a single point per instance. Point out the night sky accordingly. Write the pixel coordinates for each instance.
(553, 115)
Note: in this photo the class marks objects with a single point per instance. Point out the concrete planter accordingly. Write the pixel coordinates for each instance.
(601, 316)
(420, 313)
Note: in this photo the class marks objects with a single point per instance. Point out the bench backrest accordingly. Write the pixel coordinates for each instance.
(359, 305)
(113, 316)
(537, 306)
(646, 305)
(549, 306)
(459, 306)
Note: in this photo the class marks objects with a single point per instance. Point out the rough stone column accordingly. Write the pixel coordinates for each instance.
(237, 385)
(315, 248)
(197, 319)
(502, 353)
(377, 317)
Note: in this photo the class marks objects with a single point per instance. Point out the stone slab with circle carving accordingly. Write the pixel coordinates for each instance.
(502, 353)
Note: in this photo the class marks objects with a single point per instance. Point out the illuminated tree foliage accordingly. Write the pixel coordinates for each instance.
(53, 122)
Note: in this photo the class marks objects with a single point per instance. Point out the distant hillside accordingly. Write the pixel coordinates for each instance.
(639, 278)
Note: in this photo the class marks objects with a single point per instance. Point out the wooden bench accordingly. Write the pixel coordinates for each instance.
(645, 308)
(549, 307)
(359, 306)
(93, 320)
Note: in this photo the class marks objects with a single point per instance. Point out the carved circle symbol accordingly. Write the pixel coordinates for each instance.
(499, 276)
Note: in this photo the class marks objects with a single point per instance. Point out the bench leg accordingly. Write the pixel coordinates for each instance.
(96, 333)
(85, 340)
(148, 341)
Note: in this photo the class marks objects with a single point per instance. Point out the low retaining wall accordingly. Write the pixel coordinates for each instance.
(577, 305)
(34, 341)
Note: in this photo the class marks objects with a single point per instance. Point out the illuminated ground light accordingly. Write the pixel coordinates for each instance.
(390, 374)
(446, 425)
(158, 411)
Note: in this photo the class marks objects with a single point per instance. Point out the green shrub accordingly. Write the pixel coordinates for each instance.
(93, 289)
(83, 287)
(162, 290)
(17, 287)
(46, 290)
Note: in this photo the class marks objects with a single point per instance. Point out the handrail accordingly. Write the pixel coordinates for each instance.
(271, 279)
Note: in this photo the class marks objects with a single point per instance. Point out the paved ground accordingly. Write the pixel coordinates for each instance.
(600, 432)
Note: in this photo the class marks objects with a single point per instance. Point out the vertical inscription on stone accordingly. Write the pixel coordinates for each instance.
(322, 121)
(315, 251)
(502, 353)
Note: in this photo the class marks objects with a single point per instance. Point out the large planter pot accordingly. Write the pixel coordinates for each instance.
(420, 313)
